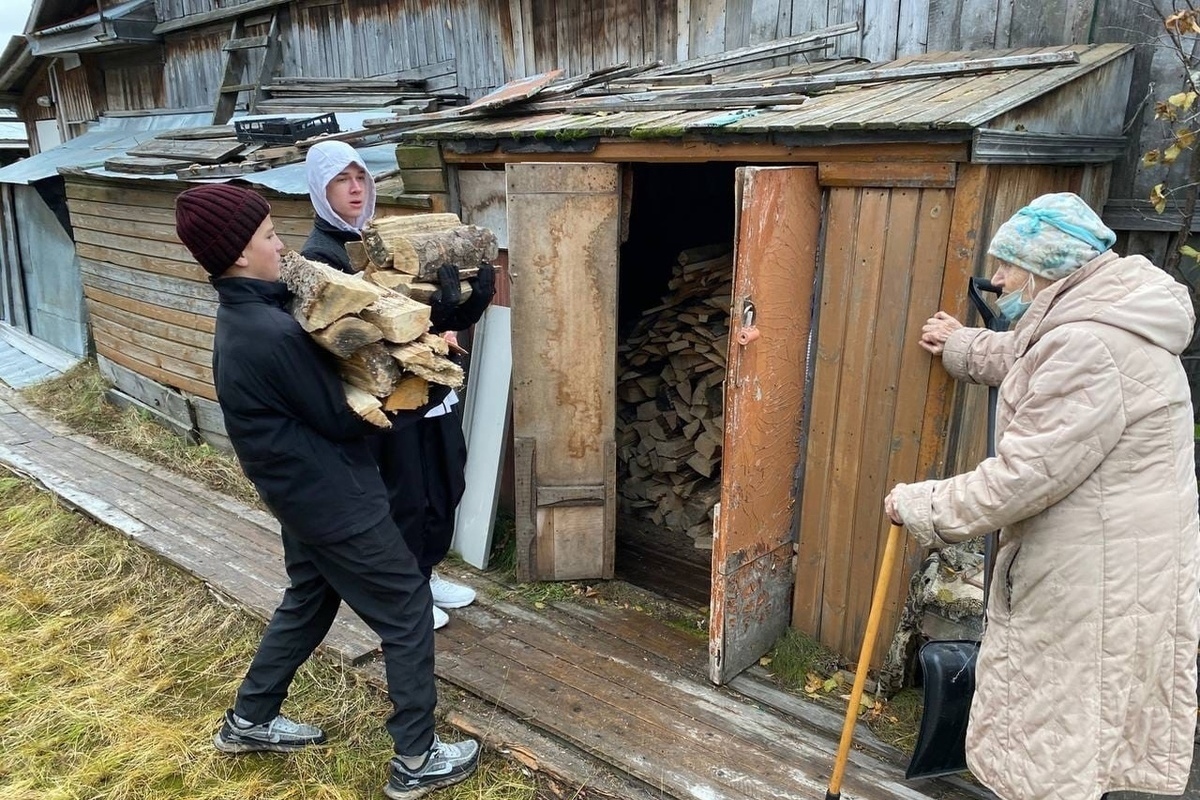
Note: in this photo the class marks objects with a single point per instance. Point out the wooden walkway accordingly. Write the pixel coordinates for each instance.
(592, 695)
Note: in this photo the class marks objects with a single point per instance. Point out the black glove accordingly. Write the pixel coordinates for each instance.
(448, 294)
(461, 317)
(483, 284)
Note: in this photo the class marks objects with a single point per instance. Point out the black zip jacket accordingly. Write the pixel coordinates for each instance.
(327, 244)
(306, 452)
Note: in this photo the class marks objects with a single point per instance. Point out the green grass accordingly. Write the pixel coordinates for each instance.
(802, 666)
(116, 668)
(77, 400)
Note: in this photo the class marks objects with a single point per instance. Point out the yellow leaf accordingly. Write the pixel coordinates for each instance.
(866, 701)
(1181, 22)
(539, 604)
(1158, 199)
(765, 661)
(1190, 252)
(1171, 153)
(1183, 100)
(1164, 111)
(1151, 158)
(830, 685)
(1185, 138)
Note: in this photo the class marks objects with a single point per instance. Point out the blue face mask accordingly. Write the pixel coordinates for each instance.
(1014, 304)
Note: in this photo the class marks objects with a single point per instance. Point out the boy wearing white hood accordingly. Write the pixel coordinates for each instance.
(423, 465)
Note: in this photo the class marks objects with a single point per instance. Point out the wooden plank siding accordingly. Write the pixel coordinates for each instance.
(883, 275)
(151, 306)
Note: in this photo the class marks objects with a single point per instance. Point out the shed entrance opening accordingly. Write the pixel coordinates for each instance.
(674, 298)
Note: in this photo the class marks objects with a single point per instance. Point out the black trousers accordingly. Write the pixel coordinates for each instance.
(423, 466)
(377, 576)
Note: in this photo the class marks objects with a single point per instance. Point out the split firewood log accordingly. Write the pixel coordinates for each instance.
(412, 392)
(400, 318)
(390, 279)
(344, 336)
(371, 369)
(420, 359)
(324, 294)
(367, 406)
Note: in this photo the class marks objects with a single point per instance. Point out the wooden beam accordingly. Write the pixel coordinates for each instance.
(207, 17)
(570, 495)
(1025, 147)
(887, 174)
(1139, 215)
(696, 151)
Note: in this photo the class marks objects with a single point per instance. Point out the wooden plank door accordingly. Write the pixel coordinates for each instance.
(775, 256)
(563, 246)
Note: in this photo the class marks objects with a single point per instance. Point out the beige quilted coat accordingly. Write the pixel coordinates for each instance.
(1086, 679)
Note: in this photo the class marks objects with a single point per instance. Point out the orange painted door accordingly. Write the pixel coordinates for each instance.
(775, 256)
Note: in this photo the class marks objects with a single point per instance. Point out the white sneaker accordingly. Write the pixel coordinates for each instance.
(440, 618)
(448, 594)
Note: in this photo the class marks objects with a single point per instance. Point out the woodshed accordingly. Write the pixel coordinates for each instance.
(846, 213)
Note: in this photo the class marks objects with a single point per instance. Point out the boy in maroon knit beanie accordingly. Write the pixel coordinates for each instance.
(307, 454)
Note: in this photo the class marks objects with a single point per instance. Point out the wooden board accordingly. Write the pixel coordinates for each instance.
(563, 228)
(775, 261)
(198, 151)
(876, 419)
(886, 174)
(144, 165)
(513, 92)
(485, 420)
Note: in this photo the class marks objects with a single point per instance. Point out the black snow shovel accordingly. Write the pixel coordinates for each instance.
(948, 666)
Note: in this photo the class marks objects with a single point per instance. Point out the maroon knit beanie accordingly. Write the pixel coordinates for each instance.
(216, 222)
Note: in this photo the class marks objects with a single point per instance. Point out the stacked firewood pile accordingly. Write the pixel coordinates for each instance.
(670, 391)
(376, 321)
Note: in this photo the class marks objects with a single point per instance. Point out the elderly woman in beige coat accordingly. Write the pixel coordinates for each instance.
(1086, 680)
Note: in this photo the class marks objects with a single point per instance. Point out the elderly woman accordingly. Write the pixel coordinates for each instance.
(1086, 680)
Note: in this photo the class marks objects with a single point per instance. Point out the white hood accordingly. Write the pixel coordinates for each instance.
(323, 162)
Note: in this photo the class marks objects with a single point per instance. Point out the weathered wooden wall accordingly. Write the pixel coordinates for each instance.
(151, 306)
(494, 41)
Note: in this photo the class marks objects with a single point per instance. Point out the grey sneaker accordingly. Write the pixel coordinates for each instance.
(445, 765)
(280, 735)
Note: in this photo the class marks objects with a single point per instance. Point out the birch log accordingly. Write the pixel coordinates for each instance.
(465, 246)
(323, 294)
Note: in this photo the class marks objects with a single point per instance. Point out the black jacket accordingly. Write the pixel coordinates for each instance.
(285, 410)
(327, 244)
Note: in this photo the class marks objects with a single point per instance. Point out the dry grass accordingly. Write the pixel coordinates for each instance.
(77, 400)
(115, 670)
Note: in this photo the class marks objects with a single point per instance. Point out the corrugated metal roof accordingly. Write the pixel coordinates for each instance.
(954, 102)
(113, 136)
(13, 131)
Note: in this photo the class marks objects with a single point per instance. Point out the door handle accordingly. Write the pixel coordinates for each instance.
(748, 332)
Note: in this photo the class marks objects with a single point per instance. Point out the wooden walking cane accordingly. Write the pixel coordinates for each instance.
(834, 791)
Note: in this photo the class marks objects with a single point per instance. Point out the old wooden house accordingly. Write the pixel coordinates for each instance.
(847, 218)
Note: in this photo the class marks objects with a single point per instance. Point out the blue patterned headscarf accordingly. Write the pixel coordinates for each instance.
(1052, 237)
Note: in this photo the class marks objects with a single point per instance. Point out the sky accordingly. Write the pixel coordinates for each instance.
(13, 14)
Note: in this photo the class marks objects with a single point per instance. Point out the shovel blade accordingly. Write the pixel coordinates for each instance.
(949, 670)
